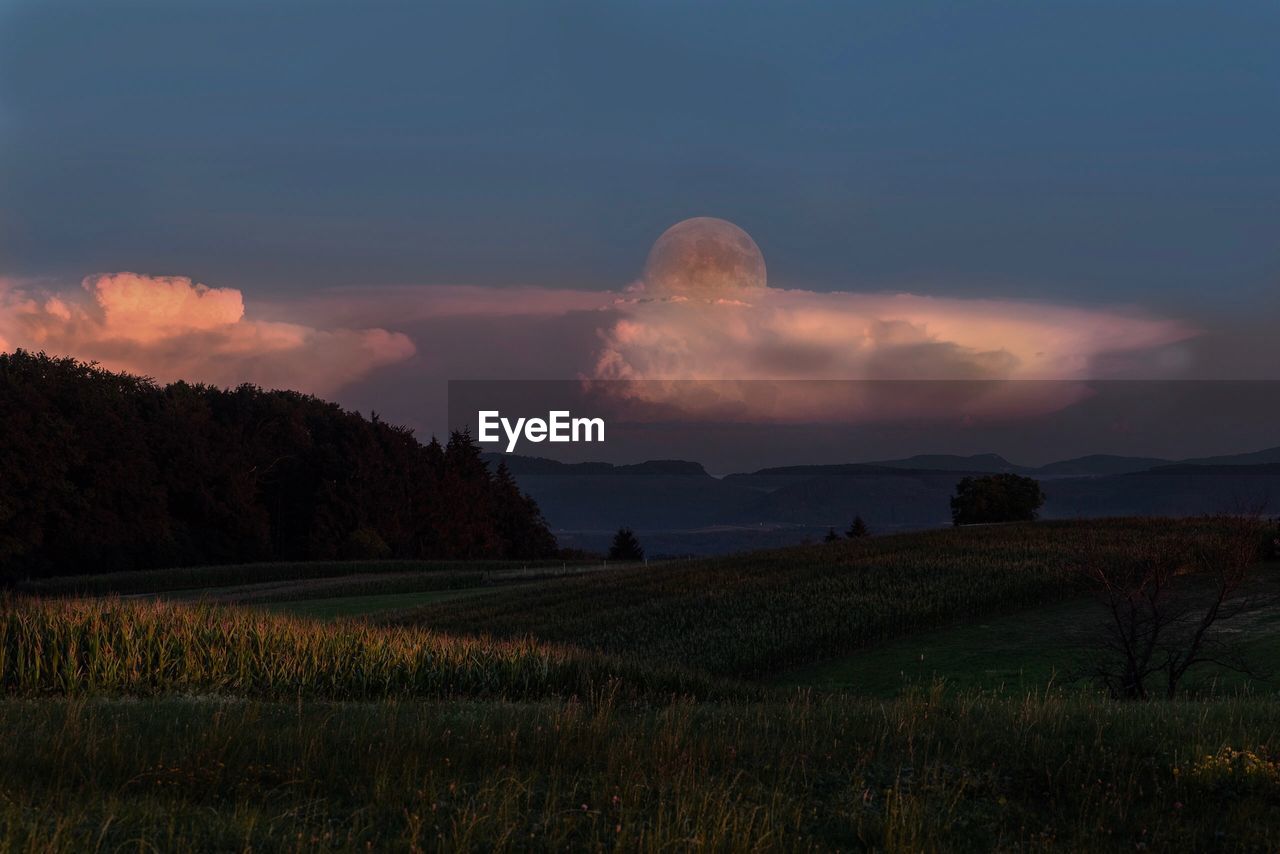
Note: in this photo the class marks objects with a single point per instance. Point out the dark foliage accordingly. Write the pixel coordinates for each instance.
(996, 498)
(625, 546)
(831, 536)
(101, 472)
(858, 529)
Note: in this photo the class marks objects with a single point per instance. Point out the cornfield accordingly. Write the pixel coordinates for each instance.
(147, 648)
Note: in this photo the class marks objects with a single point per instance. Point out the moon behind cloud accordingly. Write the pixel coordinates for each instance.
(704, 258)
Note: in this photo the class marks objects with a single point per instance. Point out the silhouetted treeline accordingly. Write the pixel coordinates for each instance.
(101, 471)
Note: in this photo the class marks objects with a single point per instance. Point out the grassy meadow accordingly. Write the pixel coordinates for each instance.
(849, 696)
(926, 772)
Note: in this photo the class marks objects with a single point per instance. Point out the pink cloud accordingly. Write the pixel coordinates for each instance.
(169, 327)
(150, 308)
(792, 334)
(800, 341)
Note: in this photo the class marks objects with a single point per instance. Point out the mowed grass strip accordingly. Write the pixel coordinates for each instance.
(381, 584)
(229, 575)
(329, 608)
(925, 773)
(74, 646)
(1029, 650)
(342, 586)
(746, 616)
(1013, 653)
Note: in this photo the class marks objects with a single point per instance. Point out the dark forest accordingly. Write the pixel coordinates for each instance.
(103, 471)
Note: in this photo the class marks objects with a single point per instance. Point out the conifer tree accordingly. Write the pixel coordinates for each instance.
(626, 546)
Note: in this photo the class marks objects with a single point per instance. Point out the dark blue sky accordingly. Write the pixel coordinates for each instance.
(1068, 151)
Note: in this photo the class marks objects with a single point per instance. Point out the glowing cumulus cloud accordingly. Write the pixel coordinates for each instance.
(170, 328)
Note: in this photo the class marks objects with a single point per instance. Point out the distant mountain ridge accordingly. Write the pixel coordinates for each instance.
(678, 508)
(1267, 456)
(519, 465)
(1096, 465)
(993, 463)
(1231, 469)
(1092, 465)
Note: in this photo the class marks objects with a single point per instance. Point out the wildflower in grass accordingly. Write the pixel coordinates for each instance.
(1231, 768)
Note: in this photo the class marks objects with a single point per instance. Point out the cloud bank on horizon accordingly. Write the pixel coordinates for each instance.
(701, 312)
(172, 328)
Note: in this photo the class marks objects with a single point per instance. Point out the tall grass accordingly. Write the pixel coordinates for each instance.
(927, 773)
(147, 648)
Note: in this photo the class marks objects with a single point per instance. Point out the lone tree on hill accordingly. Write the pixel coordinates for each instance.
(625, 546)
(858, 529)
(831, 536)
(996, 498)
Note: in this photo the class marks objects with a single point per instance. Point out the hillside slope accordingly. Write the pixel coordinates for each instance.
(748, 615)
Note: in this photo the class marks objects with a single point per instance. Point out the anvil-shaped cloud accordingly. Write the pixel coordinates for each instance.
(801, 341)
(791, 334)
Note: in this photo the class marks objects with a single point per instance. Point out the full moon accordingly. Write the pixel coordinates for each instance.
(704, 257)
